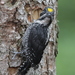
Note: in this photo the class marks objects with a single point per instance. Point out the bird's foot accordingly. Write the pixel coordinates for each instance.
(16, 54)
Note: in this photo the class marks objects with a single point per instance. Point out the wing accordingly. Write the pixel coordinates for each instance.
(37, 39)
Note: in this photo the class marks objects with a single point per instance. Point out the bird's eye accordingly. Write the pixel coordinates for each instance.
(50, 10)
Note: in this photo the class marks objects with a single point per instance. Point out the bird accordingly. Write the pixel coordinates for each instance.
(35, 40)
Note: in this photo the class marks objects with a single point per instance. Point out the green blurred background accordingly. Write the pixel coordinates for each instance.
(65, 61)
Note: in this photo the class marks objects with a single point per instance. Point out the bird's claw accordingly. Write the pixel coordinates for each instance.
(15, 54)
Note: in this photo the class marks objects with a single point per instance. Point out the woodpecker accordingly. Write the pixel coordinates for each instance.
(35, 40)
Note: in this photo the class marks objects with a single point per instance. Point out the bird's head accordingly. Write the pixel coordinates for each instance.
(48, 12)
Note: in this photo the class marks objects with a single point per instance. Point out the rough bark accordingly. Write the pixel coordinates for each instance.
(15, 16)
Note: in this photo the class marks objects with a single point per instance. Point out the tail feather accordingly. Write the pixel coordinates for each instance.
(24, 68)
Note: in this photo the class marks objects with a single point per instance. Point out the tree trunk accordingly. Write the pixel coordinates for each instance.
(15, 16)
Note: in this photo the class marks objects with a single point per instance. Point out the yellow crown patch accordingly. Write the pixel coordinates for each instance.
(50, 10)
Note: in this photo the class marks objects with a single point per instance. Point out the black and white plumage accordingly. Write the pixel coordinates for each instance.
(35, 40)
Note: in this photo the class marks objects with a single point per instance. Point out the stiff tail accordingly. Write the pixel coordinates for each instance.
(24, 68)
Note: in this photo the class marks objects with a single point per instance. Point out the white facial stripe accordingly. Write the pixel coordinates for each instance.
(44, 21)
